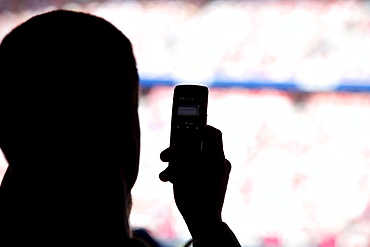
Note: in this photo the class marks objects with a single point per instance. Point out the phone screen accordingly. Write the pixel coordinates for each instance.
(188, 110)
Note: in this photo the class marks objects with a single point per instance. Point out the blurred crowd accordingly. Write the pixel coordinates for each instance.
(314, 43)
(301, 161)
(301, 166)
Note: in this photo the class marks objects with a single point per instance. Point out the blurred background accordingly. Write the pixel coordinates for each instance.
(289, 88)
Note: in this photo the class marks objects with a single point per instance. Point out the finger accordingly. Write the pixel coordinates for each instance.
(166, 175)
(226, 180)
(212, 142)
(228, 166)
(166, 155)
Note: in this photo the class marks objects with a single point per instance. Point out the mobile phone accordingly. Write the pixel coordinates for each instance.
(189, 117)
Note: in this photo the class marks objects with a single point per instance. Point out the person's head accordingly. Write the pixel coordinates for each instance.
(68, 101)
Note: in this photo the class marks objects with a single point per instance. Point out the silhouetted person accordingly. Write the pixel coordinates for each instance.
(70, 131)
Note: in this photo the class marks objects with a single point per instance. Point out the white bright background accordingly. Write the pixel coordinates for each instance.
(301, 162)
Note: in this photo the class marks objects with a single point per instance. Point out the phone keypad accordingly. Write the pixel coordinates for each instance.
(187, 126)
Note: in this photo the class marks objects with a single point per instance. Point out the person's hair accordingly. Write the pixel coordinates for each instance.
(69, 124)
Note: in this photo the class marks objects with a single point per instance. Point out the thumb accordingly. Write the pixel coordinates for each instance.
(212, 143)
